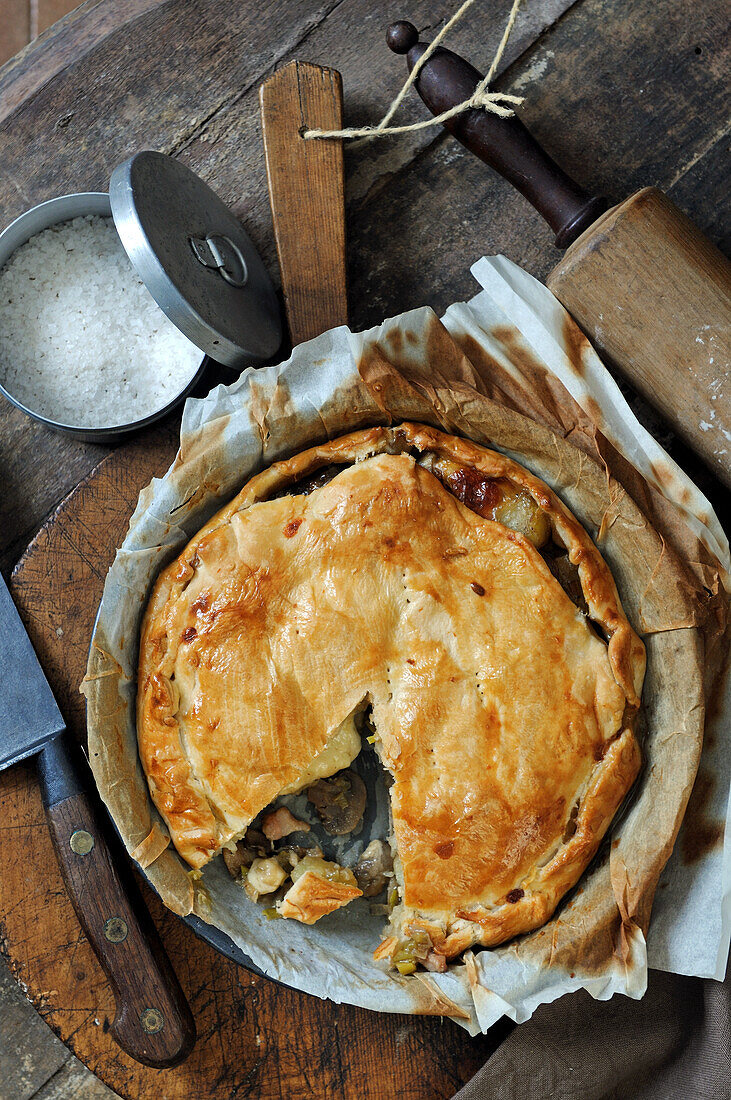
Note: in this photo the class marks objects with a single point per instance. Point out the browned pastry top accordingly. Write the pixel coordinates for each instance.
(503, 716)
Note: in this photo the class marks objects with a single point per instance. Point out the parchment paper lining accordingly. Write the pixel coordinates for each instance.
(502, 349)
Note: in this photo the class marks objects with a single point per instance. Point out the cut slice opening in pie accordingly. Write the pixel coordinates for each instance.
(436, 598)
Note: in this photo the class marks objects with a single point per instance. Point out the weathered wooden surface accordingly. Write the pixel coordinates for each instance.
(643, 86)
(645, 107)
(33, 1062)
(14, 28)
(138, 971)
(674, 347)
(23, 20)
(307, 195)
(254, 1038)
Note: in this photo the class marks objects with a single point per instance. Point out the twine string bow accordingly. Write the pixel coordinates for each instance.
(494, 102)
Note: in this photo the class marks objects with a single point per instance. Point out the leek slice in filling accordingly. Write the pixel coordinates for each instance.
(495, 499)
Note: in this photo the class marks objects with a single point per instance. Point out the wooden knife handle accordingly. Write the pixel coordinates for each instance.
(503, 143)
(153, 1022)
(307, 194)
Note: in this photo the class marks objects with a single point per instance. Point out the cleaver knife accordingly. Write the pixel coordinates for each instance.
(649, 290)
(153, 1022)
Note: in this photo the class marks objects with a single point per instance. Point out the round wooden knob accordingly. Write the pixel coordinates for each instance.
(401, 36)
(447, 80)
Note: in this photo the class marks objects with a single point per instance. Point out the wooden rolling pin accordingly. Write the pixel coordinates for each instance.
(644, 284)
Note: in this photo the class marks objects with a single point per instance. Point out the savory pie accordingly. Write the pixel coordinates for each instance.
(421, 587)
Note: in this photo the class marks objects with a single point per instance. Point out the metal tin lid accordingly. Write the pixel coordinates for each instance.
(195, 259)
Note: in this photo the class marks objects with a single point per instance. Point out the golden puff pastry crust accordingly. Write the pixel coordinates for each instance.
(504, 717)
(313, 896)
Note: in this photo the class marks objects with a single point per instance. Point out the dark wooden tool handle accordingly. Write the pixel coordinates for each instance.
(503, 143)
(153, 1023)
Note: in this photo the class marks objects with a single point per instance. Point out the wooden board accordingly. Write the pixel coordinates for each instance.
(307, 195)
(15, 29)
(24, 20)
(644, 89)
(254, 1038)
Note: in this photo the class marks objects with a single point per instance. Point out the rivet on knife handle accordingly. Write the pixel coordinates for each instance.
(307, 195)
(503, 143)
(153, 1022)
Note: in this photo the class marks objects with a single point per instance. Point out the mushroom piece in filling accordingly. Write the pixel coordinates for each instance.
(302, 884)
(374, 869)
(339, 801)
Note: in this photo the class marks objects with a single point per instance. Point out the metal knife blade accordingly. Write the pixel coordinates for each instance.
(153, 1022)
(29, 714)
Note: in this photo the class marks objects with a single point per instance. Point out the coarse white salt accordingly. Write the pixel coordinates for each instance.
(82, 341)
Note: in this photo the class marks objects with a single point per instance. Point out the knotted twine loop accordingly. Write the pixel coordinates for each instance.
(481, 98)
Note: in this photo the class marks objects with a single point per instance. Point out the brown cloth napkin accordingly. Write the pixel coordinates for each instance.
(674, 1044)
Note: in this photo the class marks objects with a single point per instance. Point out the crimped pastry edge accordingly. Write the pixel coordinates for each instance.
(611, 777)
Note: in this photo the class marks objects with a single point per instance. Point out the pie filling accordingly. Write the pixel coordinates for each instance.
(295, 880)
(491, 498)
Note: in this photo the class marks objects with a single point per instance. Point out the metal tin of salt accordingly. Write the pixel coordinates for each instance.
(195, 259)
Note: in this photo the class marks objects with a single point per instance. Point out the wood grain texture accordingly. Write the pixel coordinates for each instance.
(74, 1082)
(654, 297)
(182, 76)
(707, 175)
(87, 25)
(92, 91)
(14, 27)
(27, 1061)
(44, 13)
(446, 208)
(307, 195)
(39, 466)
(152, 1022)
(254, 1038)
